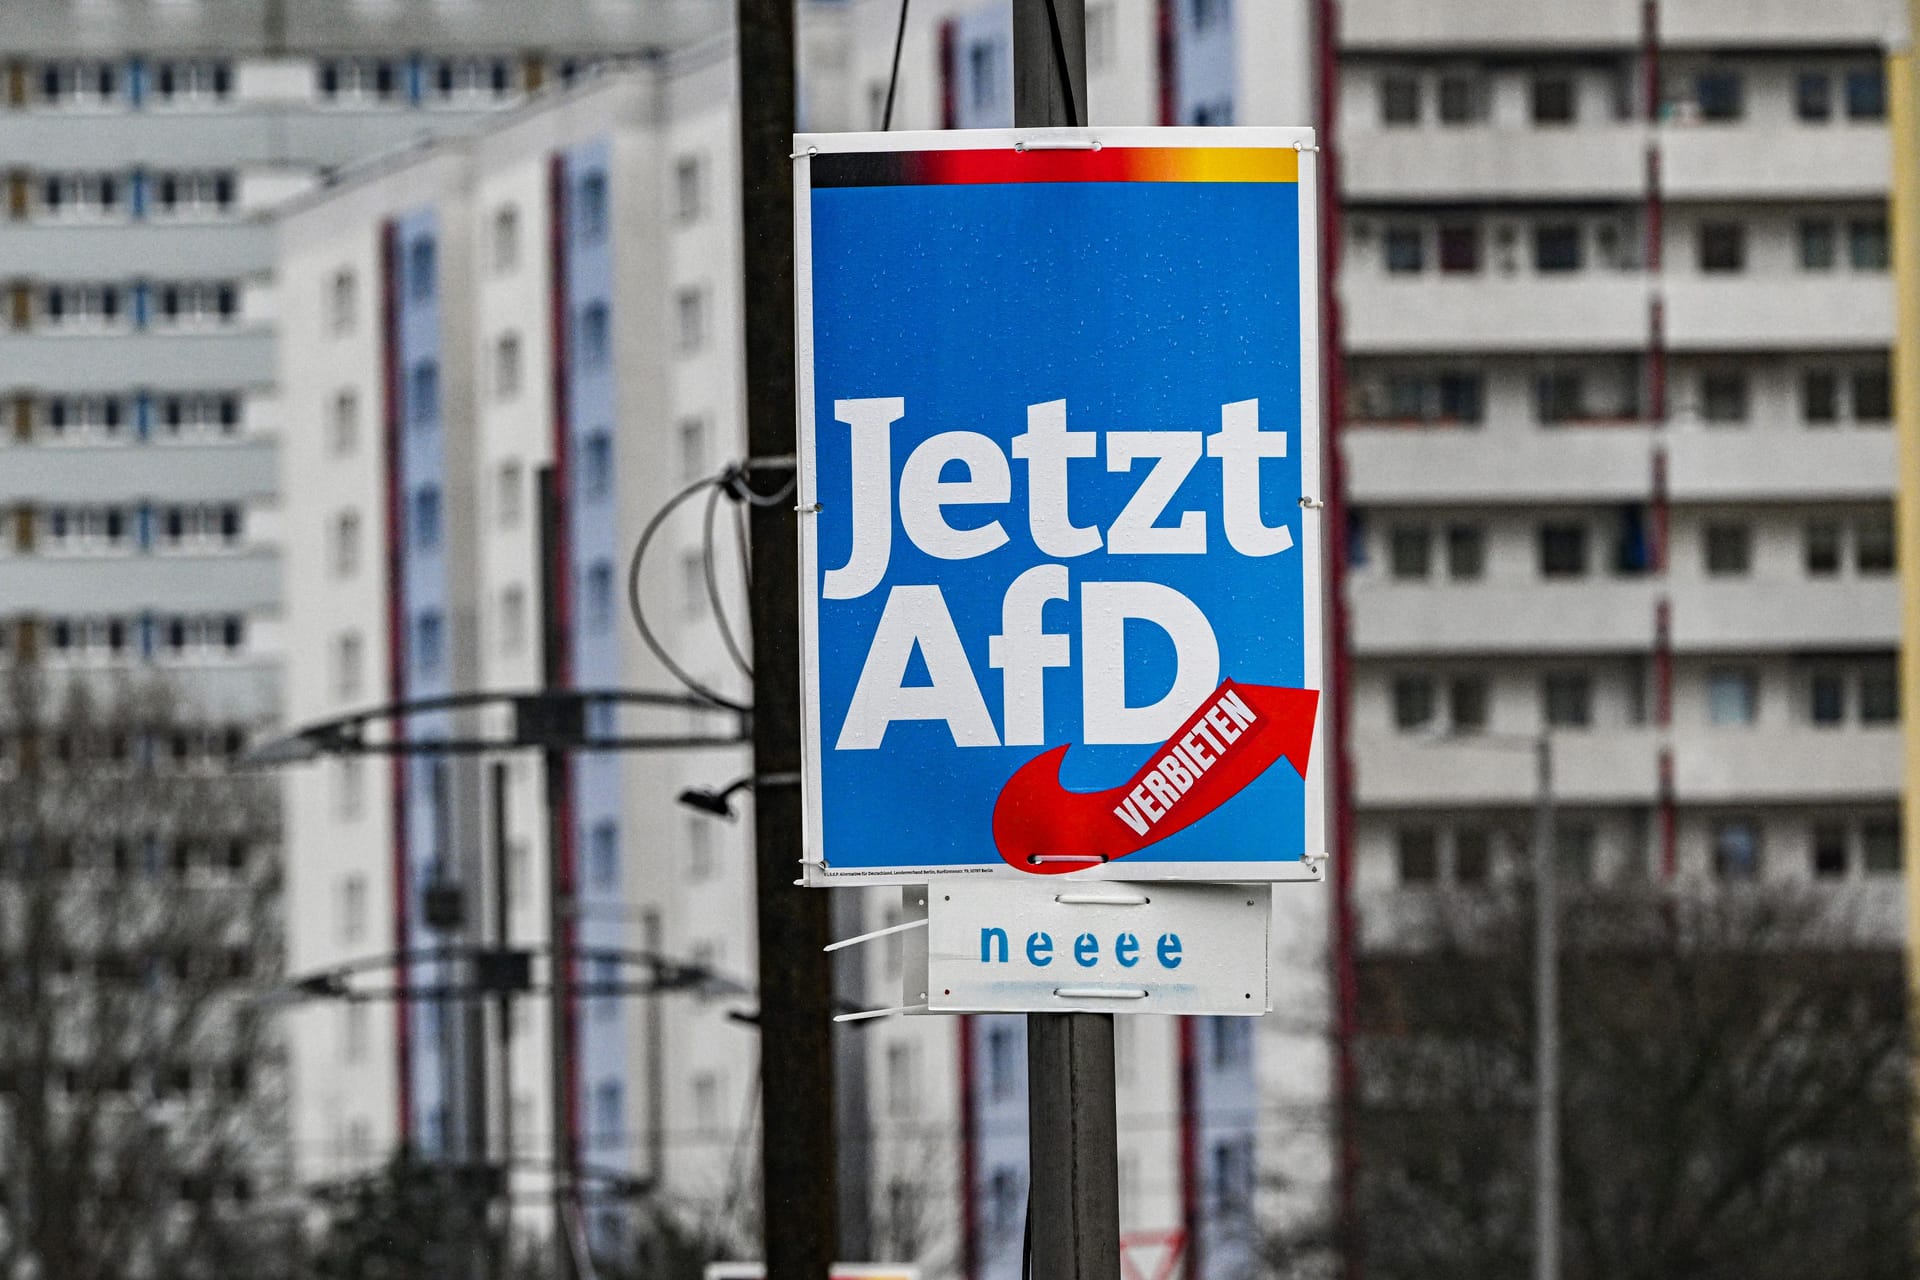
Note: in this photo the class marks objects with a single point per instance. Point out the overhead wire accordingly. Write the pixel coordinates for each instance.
(893, 80)
(639, 611)
(719, 605)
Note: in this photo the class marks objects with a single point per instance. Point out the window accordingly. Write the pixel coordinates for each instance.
(423, 394)
(1820, 396)
(1568, 696)
(506, 366)
(346, 544)
(1460, 248)
(592, 217)
(1472, 855)
(603, 855)
(506, 239)
(1873, 546)
(1732, 695)
(353, 907)
(1466, 551)
(1880, 846)
(1412, 701)
(1563, 550)
(596, 342)
(690, 312)
(1467, 703)
(1574, 846)
(901, 1100)
(420, 268)
(1816, 245)
(1419, 855)
(600, 595)
(426, 518)
(1553, 99)
(1872, 395)
(693, 449)
(1723, 247)
(1399, 99)
(700, 863)
(1720, 95)
(513, 620)
(1463, 99)
(1829, 850)
(1879, 693)
(1866, 94)
(1208, 14)
(1728, 549)
(687, 188)
(1827, 698)
(1867, 244)
(1003, 1068)
(596, 465)
(1822, 548)
(348, 663)
(1410, 551)
(1460, 397)
(608, 1125)
(1813, 95)
(1406, 250)
(982, 65)
(1723, 396)
(429, 637)
(1559, 397)
(706, 1101)
(508, 496)
(1736, 849)
(1100, 22)
(1556, 247)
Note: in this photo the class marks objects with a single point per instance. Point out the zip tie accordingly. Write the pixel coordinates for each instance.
(807, 508)
(1301, 146)
(1312, 504)
(864, 1014)
(859, 938)
(809, 153)
(1033, 858)
(782, 462)
(1100, 993)
(1100, 900)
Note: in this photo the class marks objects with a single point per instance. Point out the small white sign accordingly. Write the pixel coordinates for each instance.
(1105, 947)
(841, 1271)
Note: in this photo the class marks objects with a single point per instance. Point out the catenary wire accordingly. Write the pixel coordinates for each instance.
(719, 605)
(893, 80)
(639, 611)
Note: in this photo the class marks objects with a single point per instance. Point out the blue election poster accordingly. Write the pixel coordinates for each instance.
(1059, 503)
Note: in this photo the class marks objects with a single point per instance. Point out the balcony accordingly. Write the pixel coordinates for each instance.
(238, 357)
(112, 250)
(131, 583)
(1748, 616)
(217, 471)
(1598, 615)
(1755, 161)
(1484, 24)
(1791, 313)
(1582, 311)
(1601, 766)
(1800, 763)
(1719, 24)
(1606, 162)
(1499, 464)
(1837, 465)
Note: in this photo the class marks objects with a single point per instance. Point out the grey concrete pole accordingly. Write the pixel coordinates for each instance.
(1072, 1133)
(1546, 970)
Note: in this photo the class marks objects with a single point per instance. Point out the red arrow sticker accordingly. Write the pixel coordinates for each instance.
(1235, 736)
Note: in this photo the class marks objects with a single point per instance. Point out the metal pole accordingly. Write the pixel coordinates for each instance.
(560, 888)
(1546, 976)
(1072, 1131)
(502, 940)
(796, 984)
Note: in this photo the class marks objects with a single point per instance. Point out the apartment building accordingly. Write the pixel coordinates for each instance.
(557, 291)
(1617, 320)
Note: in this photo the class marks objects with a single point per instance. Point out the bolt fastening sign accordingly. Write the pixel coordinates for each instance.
(1059, 494)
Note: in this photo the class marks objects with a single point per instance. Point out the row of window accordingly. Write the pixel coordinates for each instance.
(108, 636)
(1564, 548)
(1430, 854)
(1827, 395)
(1462, 96)
(99, 82)
(113, 194)
(82, 419)
(94, 82)
(1832, 693)
(101, 306)
(1560, 245)
(80, 529)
